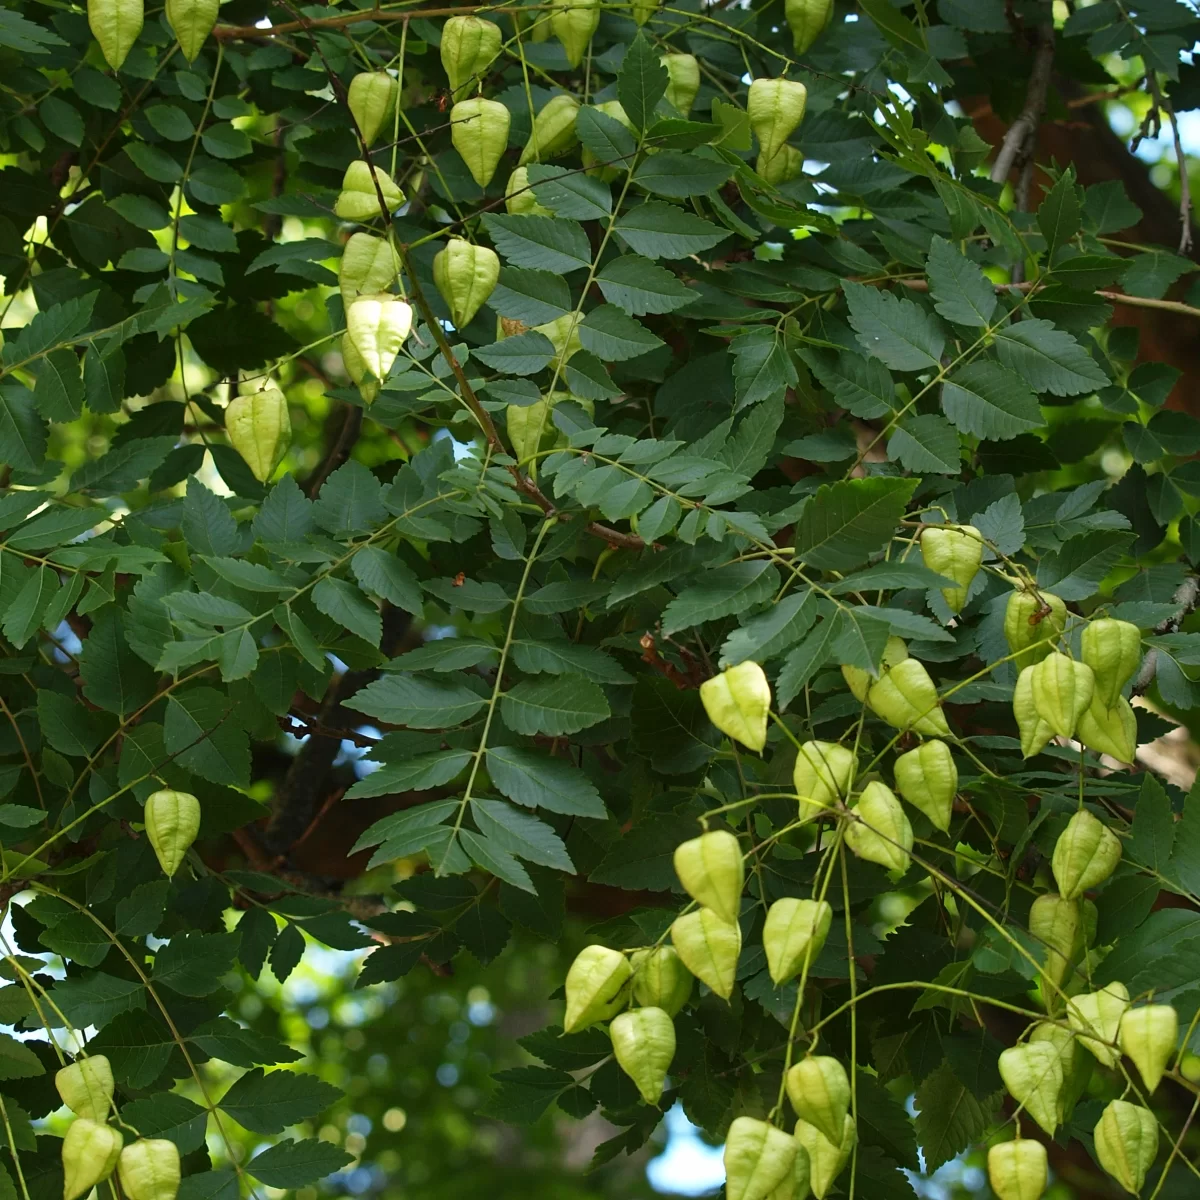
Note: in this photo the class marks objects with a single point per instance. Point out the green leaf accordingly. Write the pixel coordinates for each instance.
(556, 706)
(926, 443)
(292, 1164)
(1058, 215)
(541, 243)
(526, 1092)
(896, 331)
(521, 834)
(1075, 571)
(677, 175)
(612, 336)
(207, 522)
(1048, 359)
(845, 522)
(532, 297)
(605, 137)
(639, 286)
(569, 193)
(17, 1061)
(538, 781)
(417, 702)
(960, 290)
(193, 964)
(659, 230)
(423, 771)
(721, 593)
(493, 858)
(344, 603)
(641, 82)
(269, 1103)
(204, 735)
(949, 1117)
(762, 368)
(168, 1115)
(22, 431)
(988, 401)
(1153, 833)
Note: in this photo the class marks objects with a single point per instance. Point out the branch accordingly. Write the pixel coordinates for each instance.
(1185, 189)
(1024, 129)
(229, 33)
(1187, 596)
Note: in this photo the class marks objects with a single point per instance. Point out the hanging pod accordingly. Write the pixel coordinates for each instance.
(1057, 926)
(1096, 1017)
(826, 1158)
(955, 551)
(1111, 731)
(709, 948)
(1127, 1143)
(711, 870)
(820, 1093)
(1034, 732)
(356, 368)
(793, 933)
(821, 776)
(644, 1044)
(737, 702)
(574, 22)
(466, 275)
(1075, 1061)
(259, 428)
(479, 131)
(519, 199)
(683, 81)
(787, 164)
(1149, 1036)
(1113, 649)
(86, 1087)
(1085, 855)
(1030, 633)
(378, 326)
(553, 130)
(1033, 1074)
(90, 1150)
(115, 24)
(372, 96)
(596, 987)
(1062, 691)
(469, 46)
(776, 108)
(1018, 1170)
(807, 19)
(563, 333)
(368, 265)
(859, 680)
(881, 834)
(359, 199)
(928, 779)
(173, 818)
(149, 1169)
(525, 424)
(758, 1159)
(192, 21)
(660, 980)
(905, 697)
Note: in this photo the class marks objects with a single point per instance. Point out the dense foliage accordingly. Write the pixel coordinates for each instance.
(467, 394)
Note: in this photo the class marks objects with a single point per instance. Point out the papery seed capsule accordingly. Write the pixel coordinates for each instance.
(1096, 1017)
(259, 428)
(368, 266)
(1033, 1074)
(173, 821)
(1127, 1143)
(192, 21)
(683, 81)
(807, 19)
(819, 1091)
(660, 980)
(574, 22)
(1085, 855)
(1018, 1170)
(86, 1087)
(469, 46)
(378, 326)
(519, 199)
(1150, 1036)
(1075, 1061)
(737, 702)
(1057, 925)
(711, 870)
(955, 551)
(597, 985)
(1034, 732)
(526, 423)
(90, 1151)
(356, 368)
(821, 776)
(1030, 634)
(563, 333)
(859, 681)
(709, 948)
(1113, 649)
(644, 1044)
(479, 131)
(1111, 731)
(776, 108)
(906, 697)
(928, 779)
(465, 275)
(787, 164)
(793, 934)
(372, 96)
(115, 24)
(882, 833)
(359, 198)
(553, 130)
(149, 1169)
(826, 1159)
(1062, 691)
(758, 1158)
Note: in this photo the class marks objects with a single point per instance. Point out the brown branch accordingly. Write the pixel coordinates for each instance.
(1023, 130)
(339, 452)
(1186, 596)
(229, 33)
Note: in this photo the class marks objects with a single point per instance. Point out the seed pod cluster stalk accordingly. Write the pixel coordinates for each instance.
(955, 551)
(172, 823)
(737, 702)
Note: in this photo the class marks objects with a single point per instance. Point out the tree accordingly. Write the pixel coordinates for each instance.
(750, 565)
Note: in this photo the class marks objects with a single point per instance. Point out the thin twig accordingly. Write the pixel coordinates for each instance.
(1024, 129)
(1185, 189)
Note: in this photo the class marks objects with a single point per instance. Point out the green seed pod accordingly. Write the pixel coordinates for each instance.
(1075, 1061)
(173, 818)
(465, 275)
(356, 368)
(1085, 855)
(776, 108)
(553, 130)
(368, 265)
(373, 96)
(359, 200)
(563, 333)
(526, 423)
(1113, 649)
(86, 1087)
(826, 1159)
(574, 22)
(192, 21)
(259, 428)
(90, 1151)
(1062, 691)
(479, 131)
(643, 10)
(683, 81)
(115, 24)
(469, 46)
(1018, 1170)
(1111, 731)
(793, 934)
(614, 109)
(737, 702)
(1127, 1143)
(378, 326)
(709, 948)
(1035, 733)
(149, 1169)
(597, 985)
(1030, 635)
(928, 779)
(859, 681)
(822, 776)
(519, 199)
(1096, 1017)
(1033, 1074)
(660, 980)
(1057, 925)
(1149, 1036)
(955, 551)
(786, 165)
(820, 1093)
(905, 696)
(711, 871)
(881, 834)
(807, 19)
(758, 1158)
(643, 1044)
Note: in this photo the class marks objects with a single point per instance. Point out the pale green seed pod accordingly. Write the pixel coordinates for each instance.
(683, 81)
(359, 199)
(356, 368)
(826, 1159)
(1150, 1036)
(906, 697)
(1111, 731)
(90, 1151)
(469, 46)
(1034, 732)
(709, 948)
(115, 24)
(259, 428)
(644, 1044)
(86, 1087)
(1018, 1170)
(1127, 1143)
(1085, 855)
(955, 551)
(819, 1091)
(1096, 1017)
(822, 776)
(758, 1158)
(1075, 1061)
(192, 21)
(526, 423)
(711, 870)
(372, 96)
(563, 333)
(368, 266)
(149, 1169)
(776, 108)
(807, 19)
(553, 130)
(660, 980)
(1057, 925)
(793, 934)
(173, 818)
(479, 131)
(1029, 631)
(1062, 691)
(928, 779)
(574, 22)
(378, 326)
(597, 986)
(882, 833)
(859, 681)
(737, 702)
(786, 165)
(1033, 1074)
(1113, 649)
(519, 199)
(466, 275)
